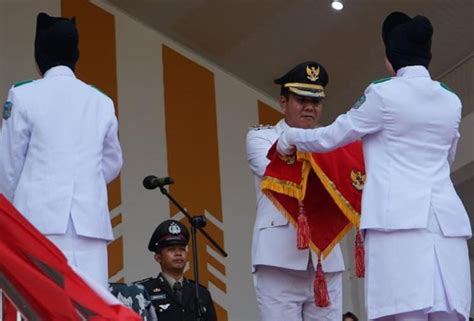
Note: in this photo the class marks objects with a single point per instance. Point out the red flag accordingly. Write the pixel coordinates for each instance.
(321, 195)
(38, 273)
(327, 185)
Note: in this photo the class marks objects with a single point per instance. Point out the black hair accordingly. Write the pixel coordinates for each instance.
(284, 92)
(350, 315)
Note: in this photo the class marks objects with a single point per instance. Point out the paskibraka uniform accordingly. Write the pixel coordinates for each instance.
(59, 149)
(416, 225)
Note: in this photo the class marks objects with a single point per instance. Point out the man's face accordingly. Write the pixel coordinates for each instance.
(172, 258)
(301, 111)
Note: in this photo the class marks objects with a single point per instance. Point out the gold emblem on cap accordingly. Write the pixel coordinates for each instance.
(312, 73)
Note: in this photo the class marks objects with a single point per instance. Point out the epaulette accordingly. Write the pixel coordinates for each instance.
(143, 281)
(99, 90)
(446, 87)
(23, 82)
(381, 80)
(260, 127)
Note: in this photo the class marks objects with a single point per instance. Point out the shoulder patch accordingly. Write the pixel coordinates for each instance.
(446, 87)
(260, 127)
(381, 80)
(359, 102)
(7, 110)
(142, 281)
(21, 83)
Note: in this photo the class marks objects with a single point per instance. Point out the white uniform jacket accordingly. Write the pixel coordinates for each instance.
(58, 150)
(409, 128)
(274, 239)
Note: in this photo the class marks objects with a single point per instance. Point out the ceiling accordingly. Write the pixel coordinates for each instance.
(259, 40)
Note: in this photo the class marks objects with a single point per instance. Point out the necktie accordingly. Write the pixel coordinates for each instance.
(178, 290)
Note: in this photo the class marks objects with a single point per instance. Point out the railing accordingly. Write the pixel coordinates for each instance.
(9, 311)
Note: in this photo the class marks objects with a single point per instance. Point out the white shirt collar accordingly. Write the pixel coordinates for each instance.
(59, 71)
(171, 280)
(413, 71)
(281, 126)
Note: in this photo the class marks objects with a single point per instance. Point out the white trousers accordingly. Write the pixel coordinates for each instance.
(87, 255)
(422, 316)
(287, 295)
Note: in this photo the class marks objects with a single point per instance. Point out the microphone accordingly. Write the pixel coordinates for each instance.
(152, 182)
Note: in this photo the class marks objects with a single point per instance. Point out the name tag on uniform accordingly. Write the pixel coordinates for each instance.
(158, 297)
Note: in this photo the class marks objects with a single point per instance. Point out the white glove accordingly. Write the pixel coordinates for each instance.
(284, 147)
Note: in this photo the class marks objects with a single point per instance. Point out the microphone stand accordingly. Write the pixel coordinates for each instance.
(197, 223)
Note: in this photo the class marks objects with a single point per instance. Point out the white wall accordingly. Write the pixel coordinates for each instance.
(17, 34)
(3, 48)
(142, 132)
(461, 80)
(236, 109)
(142, 135)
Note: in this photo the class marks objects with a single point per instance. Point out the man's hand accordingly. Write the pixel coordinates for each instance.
(284, 147)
